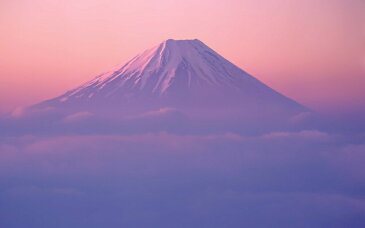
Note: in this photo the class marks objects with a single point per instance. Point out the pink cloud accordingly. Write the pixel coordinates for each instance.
(17, 112)
(77, 116)
(305, 135)
(161, 111)
(299, 118)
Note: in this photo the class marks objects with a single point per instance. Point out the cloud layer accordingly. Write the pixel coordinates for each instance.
(307, 178)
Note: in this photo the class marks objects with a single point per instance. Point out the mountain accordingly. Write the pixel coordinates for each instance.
(182, 75)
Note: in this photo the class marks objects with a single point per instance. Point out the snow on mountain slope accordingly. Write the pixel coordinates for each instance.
(155, 70)
(179, 74)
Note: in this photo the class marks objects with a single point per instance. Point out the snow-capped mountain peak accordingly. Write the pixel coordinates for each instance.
(156, 69)
(179, 74)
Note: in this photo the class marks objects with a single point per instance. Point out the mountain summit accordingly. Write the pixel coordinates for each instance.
(171, 65)
(184, 75)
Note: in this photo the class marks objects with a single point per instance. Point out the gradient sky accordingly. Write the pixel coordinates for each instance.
(312, 51)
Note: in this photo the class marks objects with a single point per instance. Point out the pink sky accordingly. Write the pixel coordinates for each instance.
(312, 51)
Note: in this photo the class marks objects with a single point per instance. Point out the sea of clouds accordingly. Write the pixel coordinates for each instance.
(154, 171)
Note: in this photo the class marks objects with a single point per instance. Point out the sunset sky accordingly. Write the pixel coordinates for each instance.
(312, 51)
(183, 139)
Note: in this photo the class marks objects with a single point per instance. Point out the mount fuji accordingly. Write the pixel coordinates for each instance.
(179, 76)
